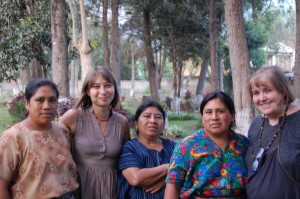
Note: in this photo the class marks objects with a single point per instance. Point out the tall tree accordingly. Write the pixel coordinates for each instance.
(105, 35)
(201, 80)
(152, 76)
(85, 49)
(74, 66)
(115, 42)
(239, 61)
(297, 56)
(215, 77)
(59, 46)
(133, 51)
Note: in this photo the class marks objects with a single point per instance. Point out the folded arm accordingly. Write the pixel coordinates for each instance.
(145, 177)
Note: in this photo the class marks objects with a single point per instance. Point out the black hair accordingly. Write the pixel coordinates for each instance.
(35, 84)
(146, 104)
(225, 98)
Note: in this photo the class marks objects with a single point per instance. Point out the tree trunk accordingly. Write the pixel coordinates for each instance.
(162, 64)
(74, 67)
(175, 69)
(115, 43)
(180, 64)
(105, 35)
(24, 77)
(215, 80)
(239, 59)
(35, 69)
(85, 50)
(59, 46)
(201, 81)
(132, 66)
(297, 56)
(149, 55)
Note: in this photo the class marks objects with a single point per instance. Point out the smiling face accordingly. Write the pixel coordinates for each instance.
(42, 107)
(101, 92)
(267, 99)
(216, 118)
(150, 123)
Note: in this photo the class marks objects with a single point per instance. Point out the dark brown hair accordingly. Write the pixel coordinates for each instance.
(84, 99)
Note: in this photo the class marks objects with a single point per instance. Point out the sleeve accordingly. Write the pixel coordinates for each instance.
(178, 166)
(129, 156)
(9, 156)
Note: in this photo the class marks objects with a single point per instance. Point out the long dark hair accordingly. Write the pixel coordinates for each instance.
(225, 98)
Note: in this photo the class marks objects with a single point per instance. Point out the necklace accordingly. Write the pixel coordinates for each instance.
(276, 132)
(259, 158)
(102, 120)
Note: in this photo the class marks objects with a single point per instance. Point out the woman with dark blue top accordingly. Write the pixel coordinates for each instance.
(143, 164)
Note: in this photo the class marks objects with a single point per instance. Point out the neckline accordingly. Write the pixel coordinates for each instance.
(162, 143)
(23, 125)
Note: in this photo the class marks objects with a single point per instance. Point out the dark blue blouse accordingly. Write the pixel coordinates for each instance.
(135, 154)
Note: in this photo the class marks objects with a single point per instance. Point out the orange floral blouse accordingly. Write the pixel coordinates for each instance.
(37, 164)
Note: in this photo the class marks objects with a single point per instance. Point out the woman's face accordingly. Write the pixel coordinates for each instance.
(267, 99)
(102, 92)
(216, 118)
(42, 106)
(150, 123)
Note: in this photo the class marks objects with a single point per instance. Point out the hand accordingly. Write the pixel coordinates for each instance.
(156, 187)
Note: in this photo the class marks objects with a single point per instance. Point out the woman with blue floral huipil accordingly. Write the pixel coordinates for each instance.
(210, 163)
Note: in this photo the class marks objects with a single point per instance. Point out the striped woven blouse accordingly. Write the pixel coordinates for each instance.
(135, 154)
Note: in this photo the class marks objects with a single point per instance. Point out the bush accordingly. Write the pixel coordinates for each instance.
(175, 131)
(17, 107)
(64, 104)
(124, 112)
(181, 116)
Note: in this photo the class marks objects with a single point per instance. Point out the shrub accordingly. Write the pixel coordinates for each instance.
(124, 112)
(181, 116)
(175, 131)
(17, 107)
(64, 104)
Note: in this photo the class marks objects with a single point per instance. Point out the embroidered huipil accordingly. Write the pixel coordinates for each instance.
(37, 164)
(202, 169)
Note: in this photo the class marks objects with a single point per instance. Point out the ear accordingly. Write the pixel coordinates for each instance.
(135, 123)
(26, 103)
(233, 118)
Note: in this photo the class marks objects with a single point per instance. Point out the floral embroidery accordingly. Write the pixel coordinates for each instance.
(201, 167)
(61, 157)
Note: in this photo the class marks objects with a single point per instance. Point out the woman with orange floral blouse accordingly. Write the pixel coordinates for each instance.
(35, 158)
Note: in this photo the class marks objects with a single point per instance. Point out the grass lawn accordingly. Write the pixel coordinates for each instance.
(5, 118)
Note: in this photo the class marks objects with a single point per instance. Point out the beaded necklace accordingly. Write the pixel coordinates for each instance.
(260, 156)
(276, 132)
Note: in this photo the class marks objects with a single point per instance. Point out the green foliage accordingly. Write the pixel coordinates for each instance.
(17, 107)
(24, 34)
(175, 131)
(181, 116)
(257, 38)
(6, 119)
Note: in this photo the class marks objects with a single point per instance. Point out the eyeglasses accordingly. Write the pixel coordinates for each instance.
(258, 160)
